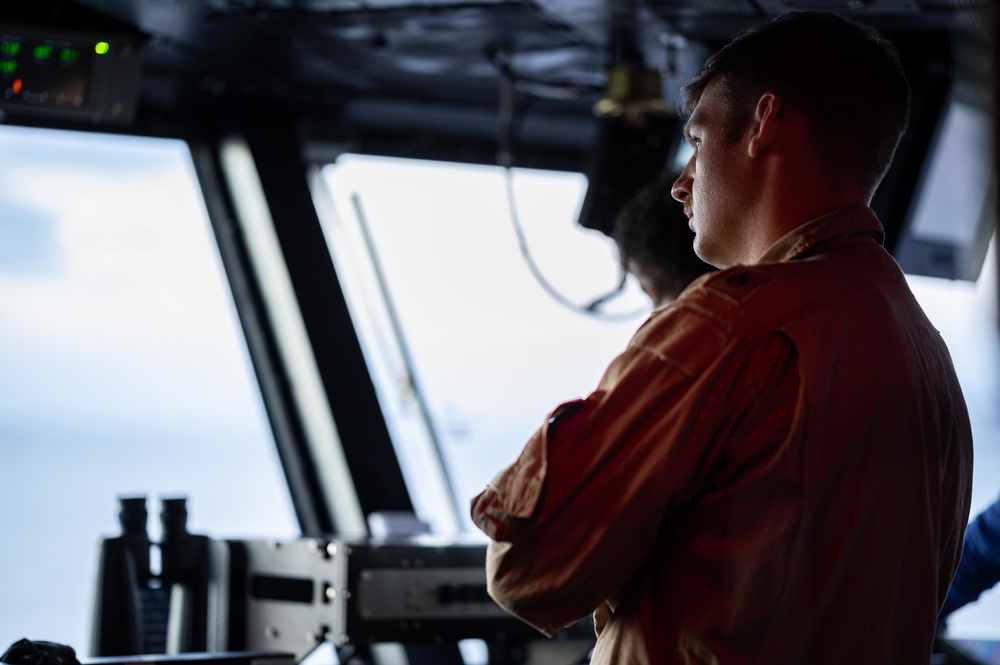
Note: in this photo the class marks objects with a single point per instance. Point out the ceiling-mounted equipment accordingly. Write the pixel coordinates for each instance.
(638, 130)
(632, 90)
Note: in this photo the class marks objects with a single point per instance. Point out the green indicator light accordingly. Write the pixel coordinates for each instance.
(69, 55)
(8, 66)
(100, 48)
(43, 52)
(10, 48)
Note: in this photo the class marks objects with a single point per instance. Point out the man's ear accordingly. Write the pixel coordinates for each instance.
(766, 120)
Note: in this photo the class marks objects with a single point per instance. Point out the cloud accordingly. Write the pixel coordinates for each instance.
(27, 239)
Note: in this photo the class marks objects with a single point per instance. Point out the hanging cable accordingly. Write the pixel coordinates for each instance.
(505, 159)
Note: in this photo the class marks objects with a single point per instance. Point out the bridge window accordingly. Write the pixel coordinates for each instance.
(467, 348)
(124, 371)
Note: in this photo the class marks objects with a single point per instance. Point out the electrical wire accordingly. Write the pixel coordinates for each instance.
(505, 159)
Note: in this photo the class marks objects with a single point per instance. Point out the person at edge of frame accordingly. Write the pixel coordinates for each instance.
(979, 568)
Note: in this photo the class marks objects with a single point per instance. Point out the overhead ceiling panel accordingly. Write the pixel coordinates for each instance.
(444, 51)
(849, 7)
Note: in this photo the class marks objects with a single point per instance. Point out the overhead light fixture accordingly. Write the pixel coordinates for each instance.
(633, 90)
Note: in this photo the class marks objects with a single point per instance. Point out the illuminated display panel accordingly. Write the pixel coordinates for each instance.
(45, 72)
(69, 75)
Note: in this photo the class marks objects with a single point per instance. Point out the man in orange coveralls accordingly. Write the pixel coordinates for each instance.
(777, 469)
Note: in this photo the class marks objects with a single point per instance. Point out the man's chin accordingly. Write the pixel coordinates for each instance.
(700, 252)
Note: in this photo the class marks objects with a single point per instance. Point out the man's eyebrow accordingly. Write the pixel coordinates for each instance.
(685, 130)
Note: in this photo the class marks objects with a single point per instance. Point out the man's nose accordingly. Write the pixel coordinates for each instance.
(682, 187)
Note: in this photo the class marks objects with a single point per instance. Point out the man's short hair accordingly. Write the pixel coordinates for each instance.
(843, 76)
(652, 231)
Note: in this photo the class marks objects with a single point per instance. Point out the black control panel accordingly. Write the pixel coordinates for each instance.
(75, 76)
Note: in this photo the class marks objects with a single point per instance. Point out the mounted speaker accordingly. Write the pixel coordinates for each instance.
(631, 151)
